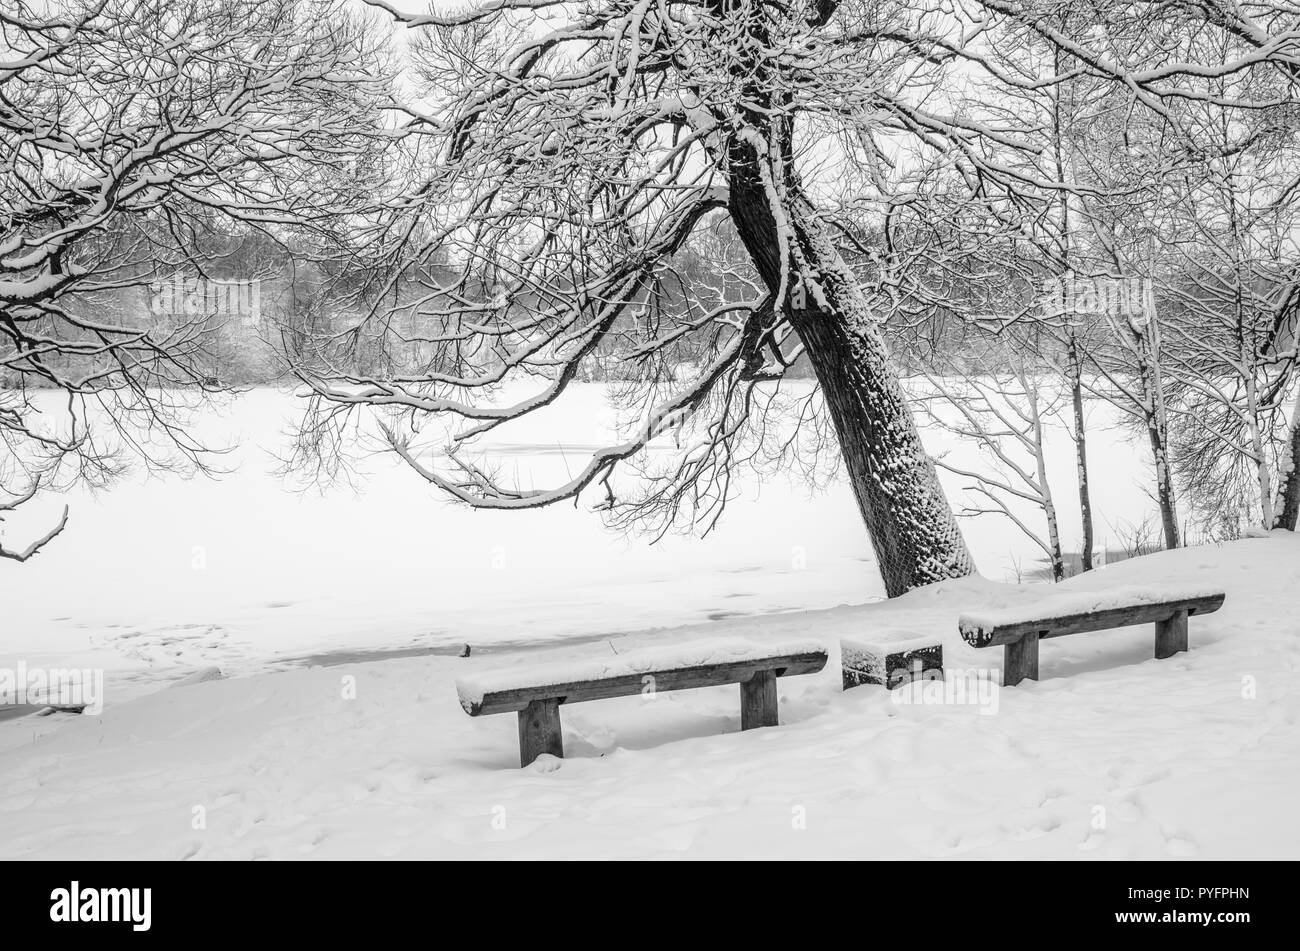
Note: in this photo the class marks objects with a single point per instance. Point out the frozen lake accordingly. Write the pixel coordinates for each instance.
(249, 572)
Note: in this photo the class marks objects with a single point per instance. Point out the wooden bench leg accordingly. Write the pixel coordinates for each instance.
(1171, 635)
(1020, 660)
(758, 700)
(539, 731)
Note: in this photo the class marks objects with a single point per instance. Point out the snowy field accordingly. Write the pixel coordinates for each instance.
(338, 617)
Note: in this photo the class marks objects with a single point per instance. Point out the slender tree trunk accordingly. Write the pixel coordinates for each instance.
(1263, 477)
(1045, 487)
(1288, 494)
(1248, 359)
(1074, 368)
(1147, 348)
(1081, 450)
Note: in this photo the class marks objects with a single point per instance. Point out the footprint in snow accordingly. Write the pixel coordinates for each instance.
(1128, 809)
(1093, 840)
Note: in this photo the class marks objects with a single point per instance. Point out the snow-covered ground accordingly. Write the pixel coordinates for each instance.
(1112, 754)
(337, 618)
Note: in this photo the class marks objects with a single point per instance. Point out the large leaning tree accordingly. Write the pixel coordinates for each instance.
(564, 156)
(138, 139)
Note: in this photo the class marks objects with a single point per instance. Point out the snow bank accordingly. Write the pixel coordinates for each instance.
(696, 653)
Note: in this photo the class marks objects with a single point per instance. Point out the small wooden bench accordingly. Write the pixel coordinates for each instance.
(1020, 629)
(535, 692)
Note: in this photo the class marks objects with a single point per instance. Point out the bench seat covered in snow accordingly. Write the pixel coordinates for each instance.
(1019, 629)
(535, 692)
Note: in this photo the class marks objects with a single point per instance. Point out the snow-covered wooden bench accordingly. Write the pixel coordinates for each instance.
(535, 692)
(1019, 629)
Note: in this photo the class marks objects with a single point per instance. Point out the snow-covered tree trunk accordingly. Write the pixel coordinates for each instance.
(1147, 350)
(1039, 446)
(1074, 362)
(913, 531)
(1287, 507)
(915, 536)
(1248, 360)
(1080, 437)
(1263, 475)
